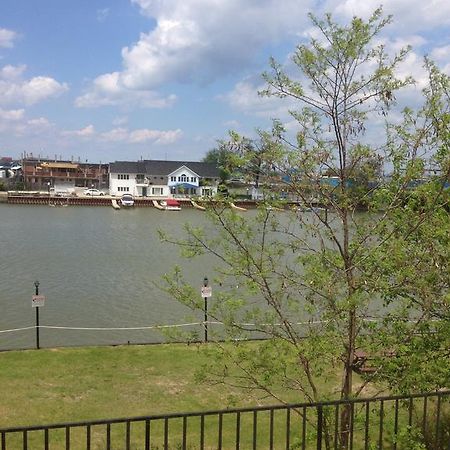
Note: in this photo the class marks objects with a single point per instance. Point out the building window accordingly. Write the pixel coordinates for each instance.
(123, 176)
(173, 178)
(157, 191)
(123, 189)
(193, 179)
(183, 178)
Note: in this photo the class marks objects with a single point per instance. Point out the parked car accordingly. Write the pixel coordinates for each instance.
(93, 192)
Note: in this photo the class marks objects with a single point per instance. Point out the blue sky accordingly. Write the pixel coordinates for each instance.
(165, 79)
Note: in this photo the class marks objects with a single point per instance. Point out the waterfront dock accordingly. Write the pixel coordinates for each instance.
(39, 198)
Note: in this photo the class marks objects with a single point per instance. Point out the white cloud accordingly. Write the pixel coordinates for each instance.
(156, 136)
(7, 38)
(108, 90)
(12, 72)
(244, 97)
(16, 90)
(115, 135)
(408, 14)
(196, 41)
(39, 123)
(40, 88)
(12, 114)
(87, 131)
(441, 54)
(141, 136)
(233, 124)
(15, 123)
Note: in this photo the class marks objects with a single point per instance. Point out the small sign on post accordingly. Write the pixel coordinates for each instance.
(206, 291)
(37, 301)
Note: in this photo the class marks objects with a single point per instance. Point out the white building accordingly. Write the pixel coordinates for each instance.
(152, 178)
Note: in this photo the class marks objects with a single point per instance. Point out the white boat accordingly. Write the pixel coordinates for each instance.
(127, 200)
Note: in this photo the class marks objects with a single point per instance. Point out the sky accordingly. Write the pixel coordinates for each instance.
(106, 80)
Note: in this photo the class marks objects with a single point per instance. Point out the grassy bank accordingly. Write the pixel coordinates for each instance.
(76, 384)
(100, 382)
(72, 384)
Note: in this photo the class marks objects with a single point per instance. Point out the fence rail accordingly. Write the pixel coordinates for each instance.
(385, 422)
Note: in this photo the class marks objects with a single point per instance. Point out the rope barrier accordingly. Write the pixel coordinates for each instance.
(17, 329)
(179, 325)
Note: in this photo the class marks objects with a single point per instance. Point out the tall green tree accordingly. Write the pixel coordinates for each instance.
(353, 270)
(241, 157)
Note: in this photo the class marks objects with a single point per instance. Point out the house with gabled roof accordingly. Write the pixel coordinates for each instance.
(154, 178)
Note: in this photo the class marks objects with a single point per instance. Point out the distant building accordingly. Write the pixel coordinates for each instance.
(10, 174)
(45, 174)
(153, 178)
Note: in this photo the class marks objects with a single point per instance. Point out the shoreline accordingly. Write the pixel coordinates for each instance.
(37, 198)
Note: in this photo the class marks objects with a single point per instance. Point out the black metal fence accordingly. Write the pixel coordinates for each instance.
(396, 422)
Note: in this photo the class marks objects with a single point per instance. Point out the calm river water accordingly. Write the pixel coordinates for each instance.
(96, 267)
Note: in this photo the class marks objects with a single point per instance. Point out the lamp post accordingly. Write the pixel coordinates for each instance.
(205, 284)
(36, 285)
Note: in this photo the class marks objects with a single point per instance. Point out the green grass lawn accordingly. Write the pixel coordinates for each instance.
(74, 384)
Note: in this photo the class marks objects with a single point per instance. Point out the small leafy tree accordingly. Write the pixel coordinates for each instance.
(361, 266)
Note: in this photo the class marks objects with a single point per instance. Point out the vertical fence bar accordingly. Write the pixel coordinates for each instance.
(271, 430)
(147, 434)
(128, 435)
(166, 433)
(3, 441)
(184, 432)
(68, 438)
(366, 426)
(410, 410)
(336, 427)
(304, 429)
(352, 423)
(438, 418)
(220, 430)
(25, 440)
(46, 442)
(319, 426)
(255, 429)
(380, 434)
(88, 437)
(202, 432)
(424, 416)
(108, 436)
(238, 430)
(288, 428)
(394, 445)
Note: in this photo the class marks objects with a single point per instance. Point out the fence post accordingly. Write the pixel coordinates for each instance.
(319, 426)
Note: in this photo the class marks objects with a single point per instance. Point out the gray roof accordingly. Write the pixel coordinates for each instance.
(155, 167)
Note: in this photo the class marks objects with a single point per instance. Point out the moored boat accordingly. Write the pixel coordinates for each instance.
(127, 200)
(170, 204)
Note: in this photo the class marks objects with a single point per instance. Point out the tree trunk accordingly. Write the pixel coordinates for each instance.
(348, 381)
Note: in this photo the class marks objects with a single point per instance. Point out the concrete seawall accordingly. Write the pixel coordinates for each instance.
(45, 199)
